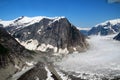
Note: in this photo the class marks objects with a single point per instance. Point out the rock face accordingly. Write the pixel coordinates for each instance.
(41, 72)
(14, 57)
(106, 28)
(12, 54)
(49, 35)
(117, 37)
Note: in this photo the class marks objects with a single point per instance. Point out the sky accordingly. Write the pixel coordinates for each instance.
(81, 13)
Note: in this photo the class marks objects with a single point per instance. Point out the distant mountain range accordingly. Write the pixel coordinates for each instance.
(106, 28)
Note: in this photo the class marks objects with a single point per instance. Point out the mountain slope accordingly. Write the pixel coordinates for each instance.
(14, 61)
(12, 55)
(106, 28)
(117, 37)
(49, 35)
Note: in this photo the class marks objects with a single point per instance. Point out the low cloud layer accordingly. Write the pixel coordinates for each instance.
(102, 58)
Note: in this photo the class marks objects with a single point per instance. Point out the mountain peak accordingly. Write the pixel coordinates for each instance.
(112, 22)
(48, 34)
(106, 28)
(26, 21)
(19, 18)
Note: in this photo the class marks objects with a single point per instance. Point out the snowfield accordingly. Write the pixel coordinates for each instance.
(102, 59)
(24, 21)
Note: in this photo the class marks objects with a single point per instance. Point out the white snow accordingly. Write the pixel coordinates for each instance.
(110, 27)
(39, 31)
(74, 49)
(31, 63)
(43, 47)
(48, 74)
(106, 27)
(37, 78)
(29, 44)
(113, 22)
(103, 58)
(63, 76)
(29, 33)
(22, 22)
(83, 28)
(63, 51)
(55, 19)
(58, 18)
(26, 21)
(33, 45)
(17, 67)
(6, 23)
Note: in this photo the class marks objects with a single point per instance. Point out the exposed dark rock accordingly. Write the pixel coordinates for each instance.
(116, 78)
(117, 37)
(11, 54)
(109, 27)
(39, 72)
(60, 33)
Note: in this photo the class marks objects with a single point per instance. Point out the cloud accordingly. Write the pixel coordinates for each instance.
(113, 1)
(103, 57)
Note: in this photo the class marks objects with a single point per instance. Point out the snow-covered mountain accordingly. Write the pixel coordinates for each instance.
(47, 34)
(106, 28)
(24, 21)
(16, 62)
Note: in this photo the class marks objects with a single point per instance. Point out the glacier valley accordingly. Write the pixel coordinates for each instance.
(102, 60)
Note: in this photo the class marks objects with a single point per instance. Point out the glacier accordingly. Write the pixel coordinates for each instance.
(102, 59)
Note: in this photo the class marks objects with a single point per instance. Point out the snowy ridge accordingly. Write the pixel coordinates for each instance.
(26, 21)
(6, 23)
(106, 28)
(112, 22)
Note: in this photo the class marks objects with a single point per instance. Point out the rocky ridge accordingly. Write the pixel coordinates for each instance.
(16, 62)
(45, 34)
(106, 28)
(117, 37)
